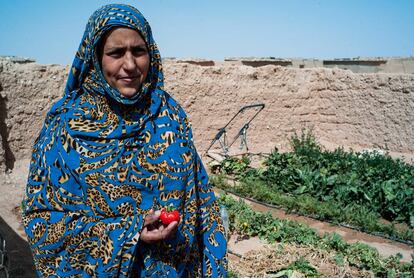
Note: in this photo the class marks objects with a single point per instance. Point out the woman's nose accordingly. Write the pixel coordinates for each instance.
(129, 61)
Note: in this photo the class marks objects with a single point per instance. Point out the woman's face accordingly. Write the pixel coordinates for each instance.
(125, 60)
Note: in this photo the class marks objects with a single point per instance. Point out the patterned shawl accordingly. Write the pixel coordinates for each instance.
(102, 161)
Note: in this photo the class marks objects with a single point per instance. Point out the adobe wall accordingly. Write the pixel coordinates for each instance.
(357, 111)
(343, 108)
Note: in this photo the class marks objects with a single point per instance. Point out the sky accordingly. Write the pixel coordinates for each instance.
(50, 31)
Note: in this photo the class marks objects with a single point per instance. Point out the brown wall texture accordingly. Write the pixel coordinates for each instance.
(343, 108)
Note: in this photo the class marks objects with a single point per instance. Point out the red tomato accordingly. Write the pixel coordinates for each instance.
(169, 216)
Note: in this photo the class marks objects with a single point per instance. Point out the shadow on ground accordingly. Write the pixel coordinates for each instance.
(18, 252)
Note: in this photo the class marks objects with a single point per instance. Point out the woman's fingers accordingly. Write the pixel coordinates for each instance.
(149, 231)
(149, 236)
(152, 217)
(160, 233)
(170, 230)
(153, 232)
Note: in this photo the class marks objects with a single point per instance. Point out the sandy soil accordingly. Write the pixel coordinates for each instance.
(268, 259)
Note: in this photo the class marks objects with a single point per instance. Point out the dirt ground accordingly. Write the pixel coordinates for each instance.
(265, 259)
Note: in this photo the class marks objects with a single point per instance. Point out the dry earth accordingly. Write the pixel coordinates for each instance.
(267, 260)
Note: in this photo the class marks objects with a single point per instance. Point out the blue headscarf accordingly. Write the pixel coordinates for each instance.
(103, 161)
(86, 64)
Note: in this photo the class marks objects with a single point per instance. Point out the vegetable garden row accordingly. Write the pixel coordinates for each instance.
(369, 191)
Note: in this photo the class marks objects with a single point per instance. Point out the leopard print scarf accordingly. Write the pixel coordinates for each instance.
(102, 161)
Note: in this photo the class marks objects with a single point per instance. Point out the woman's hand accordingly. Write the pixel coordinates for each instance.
(154, 231)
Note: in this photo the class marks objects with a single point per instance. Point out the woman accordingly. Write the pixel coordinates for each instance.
(112, 152)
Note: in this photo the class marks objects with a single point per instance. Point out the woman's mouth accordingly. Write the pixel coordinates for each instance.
(128, 79)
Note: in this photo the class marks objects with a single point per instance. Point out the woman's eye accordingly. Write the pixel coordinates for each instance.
(115, 54)
(139, 51)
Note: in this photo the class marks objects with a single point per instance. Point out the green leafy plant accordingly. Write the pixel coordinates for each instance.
(245, 221)
(233, 166)
(304, 267)
(232, 274)
(351, 188)
(301, 266)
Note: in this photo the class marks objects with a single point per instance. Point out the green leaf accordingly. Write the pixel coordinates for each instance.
(282, 274)
(301, 189)
(412, 221)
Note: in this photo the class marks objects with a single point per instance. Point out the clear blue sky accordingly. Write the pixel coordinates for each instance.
(50, 30)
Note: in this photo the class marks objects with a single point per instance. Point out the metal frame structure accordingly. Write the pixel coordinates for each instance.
(221, 135)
